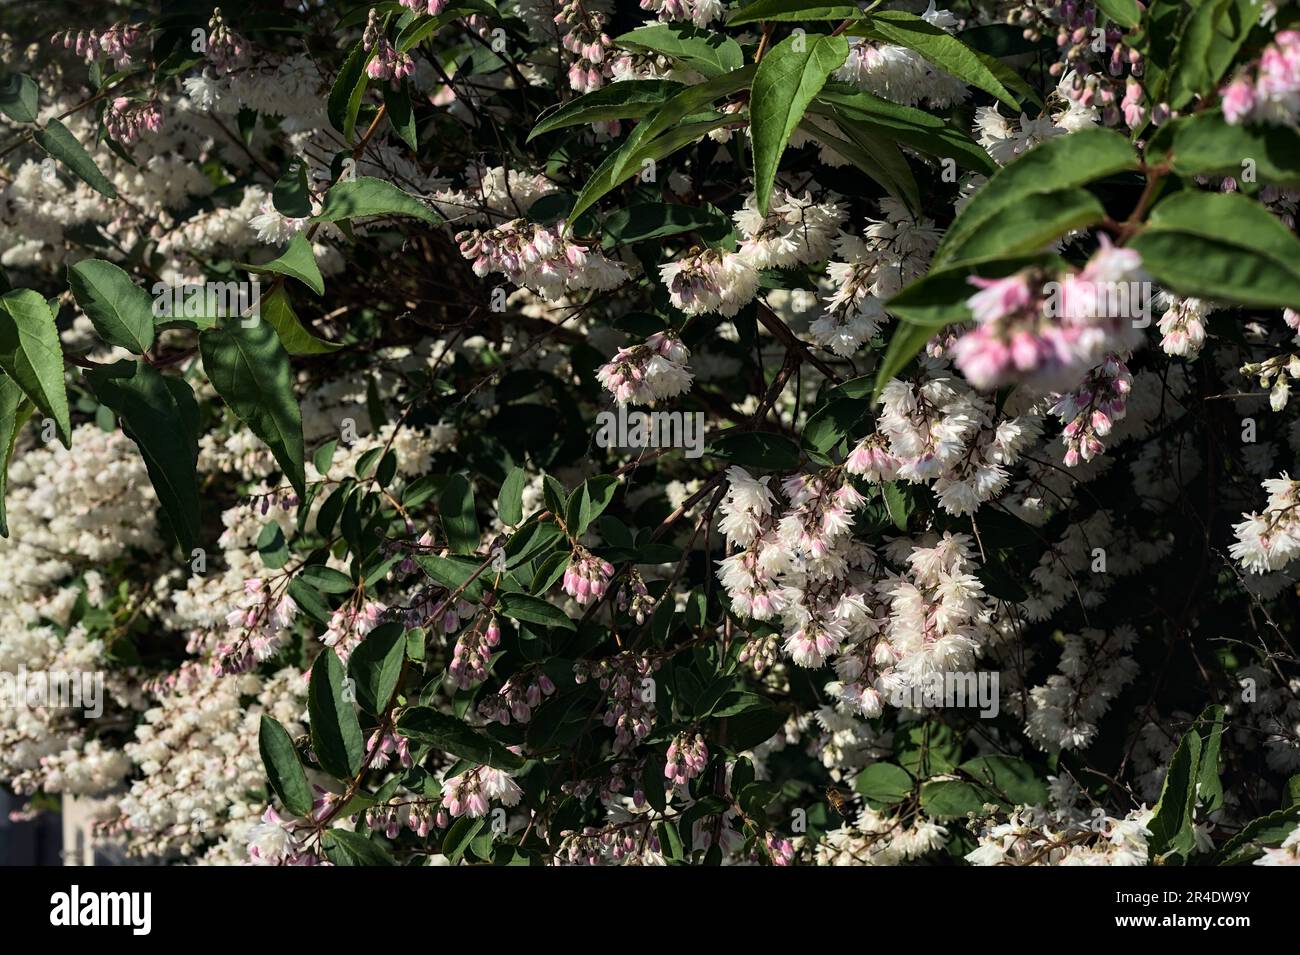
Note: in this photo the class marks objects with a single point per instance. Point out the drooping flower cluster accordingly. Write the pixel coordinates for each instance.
(1090, 411)
(115, 43)
(1046, 331)
(470, 793)
(797, 230)
(629, 691)
(539, 257)
(710, 280)
(1270, 540)
(902, 75)
(385, 63)
(867, 270)
(587, 40)
(125, 120)
(699, 12)
(1269, 91)
(687, 756)
(587, 577)
(650, 372)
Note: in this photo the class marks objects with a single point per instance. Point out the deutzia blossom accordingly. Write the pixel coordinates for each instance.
(710, 281)
(539, 257)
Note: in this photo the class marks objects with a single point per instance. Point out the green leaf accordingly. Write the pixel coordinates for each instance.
(876, 156)
(345, 847)
(291, 195)
(950, 798)
(1029, 225)
(629, 99)
(884, 784)
(1212, 33)
(349, 87)
(510, 502)
(456, 508)
(704, 51)
(56, 140)
(249, 369)
(603, 179)
(898, 504)
(397, 103)
(277, 310)
(833, 422)
(376, 665)
(790, 75)
(1007, 780)
(367, 196)
(1223, 246)
(690, 100)
(160, 415)
(1267, 830)
(1291, 795)
(271, 546)
(450, 735)
(452, 573)
(1059, 163)
(421, 28)
(943, 50)
(801, 10)
(1205, 144)
(926, 749)
(1209, 787)
(298, 261)
(756, 449)
(31, 355)
(1171, 825)
(459, 836)
(15, 409)
(120, 310)
(657, 220)
(913, 127)
(310, 602)
(529, 609)
(326, 579)
(335, 731)
(1125, 13)
(19, 98)
(588, 502)
(283, 768)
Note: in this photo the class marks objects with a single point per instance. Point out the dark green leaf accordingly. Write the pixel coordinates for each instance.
(56, 140)
(159, 414)
(367, 196)
(283, 768)
(31, 355)
(120, 310)
(250, 370)
(335, 731)
(450, 735)
(376, 665)
(790, 75)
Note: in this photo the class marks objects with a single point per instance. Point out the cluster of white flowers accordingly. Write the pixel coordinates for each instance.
(540, 257)
(902, 75)
(878, 838)
(839, 602)
(1270, 540)
(866, 270)
(649, 372)
(196, 752)
(1094, 667)
(1034, 835)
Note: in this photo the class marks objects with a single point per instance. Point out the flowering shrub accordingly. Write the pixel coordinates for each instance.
(353, 356)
